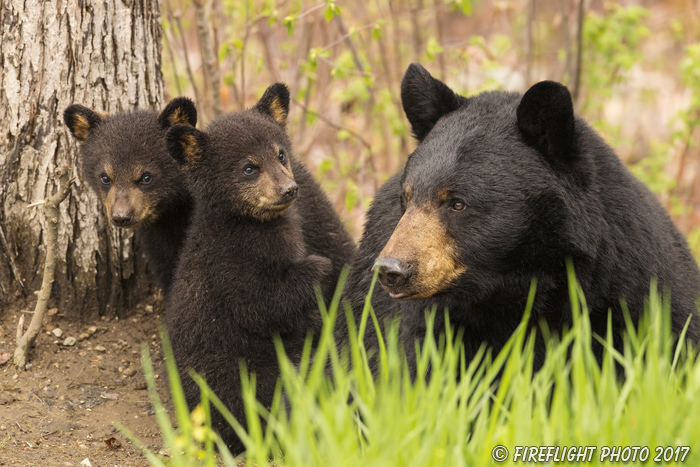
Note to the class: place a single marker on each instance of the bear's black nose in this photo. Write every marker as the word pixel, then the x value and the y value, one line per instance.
pixel 289 191
pixel 122 218
pixel 392 271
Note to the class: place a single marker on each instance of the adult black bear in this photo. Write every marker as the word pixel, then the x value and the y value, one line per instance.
pixel 125 160
pixel 263 235
pixel 505 187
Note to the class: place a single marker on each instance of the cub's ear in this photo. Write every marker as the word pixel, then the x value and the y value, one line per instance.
pixel 180 110
pixel 186 145
pixel 275 103
pixel 81 121
pixel 426 99
pixel 546 120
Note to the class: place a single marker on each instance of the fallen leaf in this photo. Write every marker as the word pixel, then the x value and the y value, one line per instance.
pixel 112 443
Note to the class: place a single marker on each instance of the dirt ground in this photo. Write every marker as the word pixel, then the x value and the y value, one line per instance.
pixel 62 409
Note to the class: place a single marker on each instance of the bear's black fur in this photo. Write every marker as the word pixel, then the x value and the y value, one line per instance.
pixel 503 188
pixel 125 160
pixel 252 255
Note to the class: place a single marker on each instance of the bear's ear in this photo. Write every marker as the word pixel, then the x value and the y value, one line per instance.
pixel 81 121
pixel 426 99
pixel 186 145
pixel 546 120
pixel 180 110
pixel 275 103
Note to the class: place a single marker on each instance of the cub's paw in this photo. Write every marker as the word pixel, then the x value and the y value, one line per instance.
pixel 320 264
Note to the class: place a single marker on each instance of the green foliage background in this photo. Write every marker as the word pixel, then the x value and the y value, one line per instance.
pixel 638 78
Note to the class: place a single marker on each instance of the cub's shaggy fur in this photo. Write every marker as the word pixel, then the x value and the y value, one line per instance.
pixel 263 235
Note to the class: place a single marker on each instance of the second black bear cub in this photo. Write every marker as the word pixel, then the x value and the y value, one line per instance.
pixel 125 160
pixel 263 235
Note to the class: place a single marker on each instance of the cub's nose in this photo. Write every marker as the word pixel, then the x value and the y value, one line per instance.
pixel 393 272
pixel 289 191
pixel 122 218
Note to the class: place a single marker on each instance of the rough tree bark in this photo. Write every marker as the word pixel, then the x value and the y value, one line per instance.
pixel 105 55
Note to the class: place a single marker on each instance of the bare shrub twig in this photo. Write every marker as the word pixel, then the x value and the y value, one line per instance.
pixel 26 340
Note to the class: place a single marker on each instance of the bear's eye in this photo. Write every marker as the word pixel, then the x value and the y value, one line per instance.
pixel 458 205
pixel 249 170
pixel 146 178
pixel 105 179
pixel 282 157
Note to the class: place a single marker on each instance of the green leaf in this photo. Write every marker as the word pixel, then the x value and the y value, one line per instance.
pixel 288 22
pixel 328 13
pixel 331 11
pixel 377 32
pixel 351 198
pixel 325 166
pixel 224 51
pixel 311 118
pixel 433 48
pixel 229 78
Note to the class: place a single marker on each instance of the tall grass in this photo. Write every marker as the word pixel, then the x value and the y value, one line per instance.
pixel 465 409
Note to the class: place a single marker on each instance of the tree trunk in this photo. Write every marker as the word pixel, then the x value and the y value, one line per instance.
pixel 105 55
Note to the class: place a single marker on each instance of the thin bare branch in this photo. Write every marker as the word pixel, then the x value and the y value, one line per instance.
pixel 439 26
pixel 347 35
pixel 334 125
pixel 367 127
pixel 337 126
pixel 211 65
pixel 175 18
pixel 248 26
pixel 26 340
pixel 415 30
pixel 566 34
pixel 529 41
pixel 311 10
pixel 171 55
pixel 576 91
pixel 37 203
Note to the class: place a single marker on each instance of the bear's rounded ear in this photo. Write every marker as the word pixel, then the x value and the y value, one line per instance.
pixel 426 99
pixel 81 121
pixel 546 119
pixel 186 145
pixel 180 110
pixel 275 103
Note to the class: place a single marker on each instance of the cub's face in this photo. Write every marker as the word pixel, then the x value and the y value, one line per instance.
pixel 478 196
pixel 130 193
pixel 242 160
pixel 125 159
pixel 264 181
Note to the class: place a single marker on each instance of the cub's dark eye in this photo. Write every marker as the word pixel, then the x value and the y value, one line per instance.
pixel 282 157
pixel 105 179
pixel 249 170
pixel 146 178
pixel 458 205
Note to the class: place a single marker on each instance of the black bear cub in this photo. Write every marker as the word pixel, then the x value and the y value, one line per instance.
pixel 125 160
pixel 263 235
pixel 503 188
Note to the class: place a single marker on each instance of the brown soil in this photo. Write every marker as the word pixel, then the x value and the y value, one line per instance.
pixel 62 409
